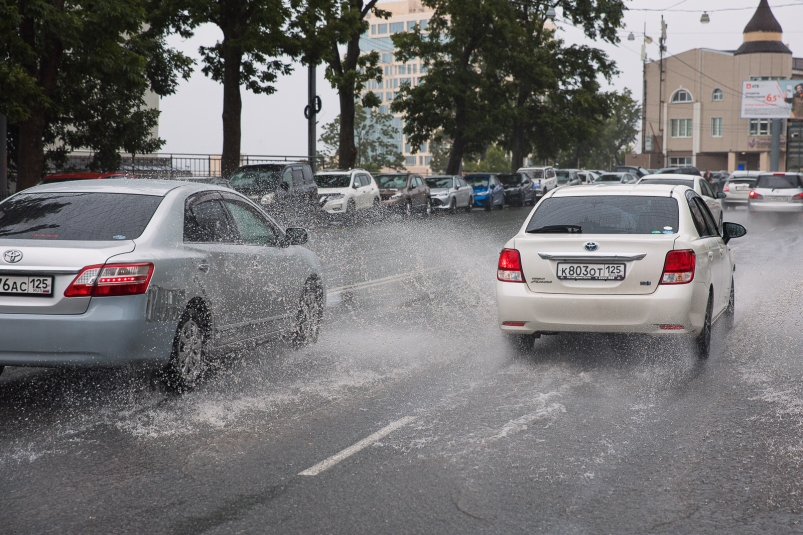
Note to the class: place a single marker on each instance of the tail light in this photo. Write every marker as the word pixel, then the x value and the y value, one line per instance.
pixel 111 279
pixel 726 189
pixel 797 198
pixel 679 267
pixel 756 196
pixel 509 269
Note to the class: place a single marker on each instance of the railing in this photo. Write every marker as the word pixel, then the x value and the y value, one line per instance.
pixel 176 165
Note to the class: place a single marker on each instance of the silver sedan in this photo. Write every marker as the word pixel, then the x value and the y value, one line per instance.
pixel 104 273
pixel 450 193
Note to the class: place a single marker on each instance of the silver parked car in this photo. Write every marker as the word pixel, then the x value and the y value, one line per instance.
pixel 450 193
pixel 104 273
pixel 737 188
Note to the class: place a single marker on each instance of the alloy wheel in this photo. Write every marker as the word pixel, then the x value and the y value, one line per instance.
pixel 188 357
pixel 308 317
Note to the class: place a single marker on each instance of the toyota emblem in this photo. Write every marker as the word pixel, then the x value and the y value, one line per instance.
pixel 591 246
pixel 12 256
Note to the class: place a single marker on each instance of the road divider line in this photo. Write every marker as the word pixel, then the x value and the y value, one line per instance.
pixel 351 450
pixel 377 282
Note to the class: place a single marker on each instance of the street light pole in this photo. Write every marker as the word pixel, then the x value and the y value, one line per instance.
pixel 312 115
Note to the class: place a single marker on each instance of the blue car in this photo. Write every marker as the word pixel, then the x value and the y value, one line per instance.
pixel 488 191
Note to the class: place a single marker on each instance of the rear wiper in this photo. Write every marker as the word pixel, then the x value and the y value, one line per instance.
pixel 569 229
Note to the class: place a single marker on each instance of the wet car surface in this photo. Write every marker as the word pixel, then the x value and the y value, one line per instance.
pixel 589 434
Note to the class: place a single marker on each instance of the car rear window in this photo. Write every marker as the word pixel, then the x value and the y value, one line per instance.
pixel 76 216
pixel 668 181
pixel 779 182
pixel 610 178
pixel 607 214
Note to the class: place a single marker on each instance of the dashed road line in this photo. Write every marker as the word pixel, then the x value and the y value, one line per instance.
pixel 351 450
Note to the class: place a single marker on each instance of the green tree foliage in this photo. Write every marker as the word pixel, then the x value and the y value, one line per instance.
pixel 372 134
pixel 494 161
pixel 74 74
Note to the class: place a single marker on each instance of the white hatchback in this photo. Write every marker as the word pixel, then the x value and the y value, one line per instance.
pixel 630 259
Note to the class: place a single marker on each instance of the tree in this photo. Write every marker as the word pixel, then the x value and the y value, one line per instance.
pixel 494 161
pixel 255 33
pixel 81 70
pixel 372 134
pixel 440 148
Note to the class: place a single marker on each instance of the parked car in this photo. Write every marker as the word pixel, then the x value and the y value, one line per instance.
pixel 285 190
pixel 617 260
pixel 211 180
pixel 568 177
pixel 616 178
pixel 632 169
pixel 587 176
pixel 544 178
pixel 450 193
pixel 488 191
pixel 345 192
pixel 776 193
pixel 113 272
pixel 405 192
pixel 698 184
pixel 82 175
pixel 519 188
pixel 683 170
pixel 737 187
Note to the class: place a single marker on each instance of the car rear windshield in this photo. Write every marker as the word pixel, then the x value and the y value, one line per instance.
pixel 610 178
pixel 391 181
pixel 76 216
pixel 264 177
pixel 606 214
pixel 509 179
pixel 563 176
pixel 341 180
pixel 669 181
pixel 779 182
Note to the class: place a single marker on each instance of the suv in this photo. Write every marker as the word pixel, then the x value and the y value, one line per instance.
pixel 568 177
pixel 404 191
pixel 544 178
pixel 284 189
pixel 346 191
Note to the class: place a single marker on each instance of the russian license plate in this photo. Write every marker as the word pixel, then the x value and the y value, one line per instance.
pixel 777 199
pixel 596 272
pixel 41 286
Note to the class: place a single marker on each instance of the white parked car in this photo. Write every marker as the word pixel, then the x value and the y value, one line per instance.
pixel 629 259
pixel 737 188
pixel 776 192
pixel 545 178
pixel 695 182
pixel 346 192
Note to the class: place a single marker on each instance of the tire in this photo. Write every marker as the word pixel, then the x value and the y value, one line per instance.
pixel 730 311
pixel 309 315
pixel 428 207
pixel 453 206
pixel 703 340
pixel 488 206
pixel 376 204
pixel 351 211
pixel 520 343
pixel 522 200
pixel 188 359
pixel 470 205
pixel 408 208
pixel 502 204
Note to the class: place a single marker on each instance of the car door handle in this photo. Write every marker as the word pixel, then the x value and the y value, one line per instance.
pixel 710 254
pixel 203 266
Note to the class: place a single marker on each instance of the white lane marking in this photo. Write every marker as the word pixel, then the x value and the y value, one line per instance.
pixel 378 282
pixel 351 450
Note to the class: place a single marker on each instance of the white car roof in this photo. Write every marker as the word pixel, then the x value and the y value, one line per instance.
pixel 643 190
pixel 135 186
pixel 674 176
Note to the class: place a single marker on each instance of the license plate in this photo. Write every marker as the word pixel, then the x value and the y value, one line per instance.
pixel 596 272
pixel 742 188
pixel 36 286
pixel 777 199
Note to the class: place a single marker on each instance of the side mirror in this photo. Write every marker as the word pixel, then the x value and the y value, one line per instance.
pixel 732 230
pixel 296 236
pixel 721 195
pixel 355 185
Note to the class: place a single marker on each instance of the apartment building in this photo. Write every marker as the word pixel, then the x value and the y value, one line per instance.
pixel 405 15
pixel 692 104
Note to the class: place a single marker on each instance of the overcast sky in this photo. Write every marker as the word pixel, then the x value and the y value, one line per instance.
pixel 275 124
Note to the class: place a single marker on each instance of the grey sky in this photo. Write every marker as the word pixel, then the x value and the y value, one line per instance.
pixel 275 124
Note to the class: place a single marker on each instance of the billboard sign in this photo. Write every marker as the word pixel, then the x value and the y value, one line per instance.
pixel 772 99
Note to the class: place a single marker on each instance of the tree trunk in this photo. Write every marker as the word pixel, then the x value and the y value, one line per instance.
pixel 31 159
pixel 456 156
pixel 520 147
pixel 232 108
pixel 347 151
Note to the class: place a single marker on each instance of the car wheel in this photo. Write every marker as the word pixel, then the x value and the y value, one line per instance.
pixel 308 317
pixel 488 206
pixel 428 207
pixel 520 343
pixel 470 204
pixel 377 205
pixel 703 341
pixel 502 204
pixel 453 206
pixel 1 369
pixel 351 211
pixel 522 199
pixel 188 357
pixel 720 221
pixel 730 311
pixel 408 208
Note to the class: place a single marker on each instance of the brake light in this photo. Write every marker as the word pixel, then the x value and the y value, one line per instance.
pixel 726 189
pixel 679 267
pixel 797 198
pixel 755 195
pixel 509 269
pixel 111 279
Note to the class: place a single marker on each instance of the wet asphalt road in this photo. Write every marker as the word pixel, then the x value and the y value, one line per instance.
pixel 589 434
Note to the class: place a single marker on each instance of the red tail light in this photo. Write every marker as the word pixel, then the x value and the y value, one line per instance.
pixel 726 189
pixel 755 195
pixel 797 198
pixel 509 269
pixel 679 267
pixel 111 279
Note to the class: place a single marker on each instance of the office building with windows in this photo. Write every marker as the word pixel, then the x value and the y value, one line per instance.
pixel 405 15
pixel 692 104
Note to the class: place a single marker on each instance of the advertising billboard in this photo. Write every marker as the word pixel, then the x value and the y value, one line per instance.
pixel 772 99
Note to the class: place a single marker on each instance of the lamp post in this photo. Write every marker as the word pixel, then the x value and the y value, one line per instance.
pixel 3 157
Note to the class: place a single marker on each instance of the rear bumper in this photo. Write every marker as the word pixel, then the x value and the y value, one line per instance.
pixel 541 312
pixel 112 332
pixel 780 207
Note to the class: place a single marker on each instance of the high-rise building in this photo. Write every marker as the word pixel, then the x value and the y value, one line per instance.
pixel 405 15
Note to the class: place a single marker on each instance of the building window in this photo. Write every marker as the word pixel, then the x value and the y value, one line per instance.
pixel 717 95
pixel 679 161
pixel 409 160
pixel 424 69
pixel 388 96
pixel 681 95
pixel 396 27
pixel 423 24
pixel 403 81
pixel 680 128
pixel 373 29
pixel 383 110
pixel 716 126
pixel 410 25
pixel 759 127
pixel 427 159
pixel 381 28
pixel 415 68
pixel 422 148
pixel 766 78
pixel 387 57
